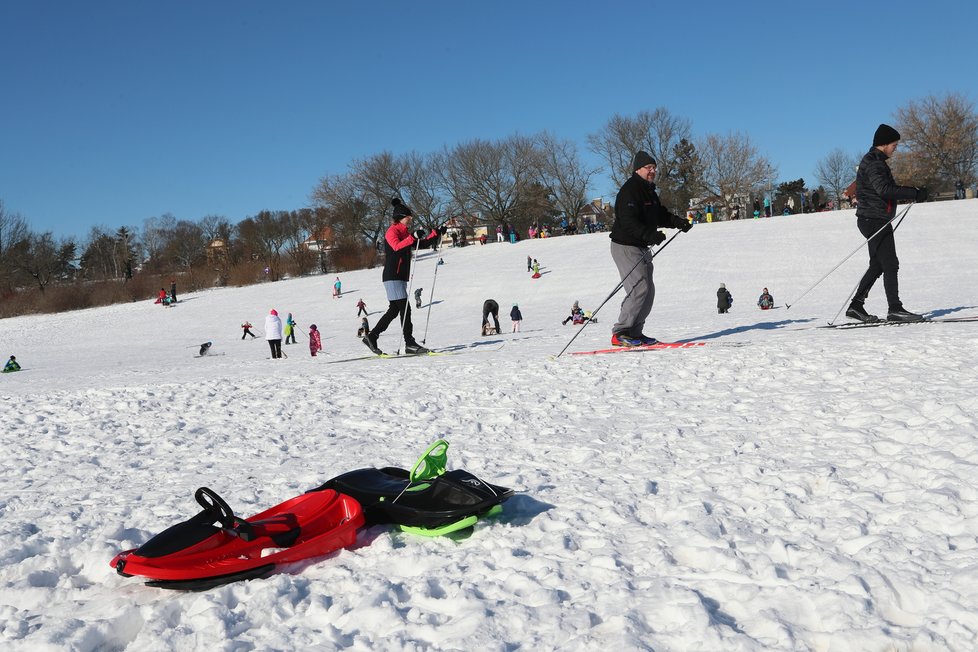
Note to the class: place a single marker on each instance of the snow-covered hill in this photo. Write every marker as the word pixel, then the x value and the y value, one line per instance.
pixel 782 487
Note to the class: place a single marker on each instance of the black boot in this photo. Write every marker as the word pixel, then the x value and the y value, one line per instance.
pixel 902 314
pixel 857 312
pixel 371 342
pixel 415 349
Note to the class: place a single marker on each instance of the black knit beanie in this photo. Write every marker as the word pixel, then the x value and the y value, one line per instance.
pixel 641 159
pixel 401 210
pixel 885 134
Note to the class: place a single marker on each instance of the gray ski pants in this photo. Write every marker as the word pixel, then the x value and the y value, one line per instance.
pixel 639 288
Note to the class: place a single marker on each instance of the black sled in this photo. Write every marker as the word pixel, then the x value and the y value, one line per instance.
pixel 427 500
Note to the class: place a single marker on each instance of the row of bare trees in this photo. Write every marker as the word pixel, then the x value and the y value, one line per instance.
pixel 518 180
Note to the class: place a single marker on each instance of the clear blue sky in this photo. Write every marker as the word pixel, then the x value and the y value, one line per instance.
pixel 115 111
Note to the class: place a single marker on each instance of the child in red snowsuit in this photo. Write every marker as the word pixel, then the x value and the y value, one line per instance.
pixel 315 344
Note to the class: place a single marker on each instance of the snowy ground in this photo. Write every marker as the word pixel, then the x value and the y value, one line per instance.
pixel 781 488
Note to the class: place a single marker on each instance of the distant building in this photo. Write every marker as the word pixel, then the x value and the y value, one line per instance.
pixel 595 215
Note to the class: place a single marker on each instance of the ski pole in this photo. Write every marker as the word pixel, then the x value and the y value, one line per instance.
pixel 620 285
pixel 431 298
pixel 829 273
pixel 856 286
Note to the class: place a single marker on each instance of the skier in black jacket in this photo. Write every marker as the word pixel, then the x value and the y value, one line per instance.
pixel 877 195
pixel 638 216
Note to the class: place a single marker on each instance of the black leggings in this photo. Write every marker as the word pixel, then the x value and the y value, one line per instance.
pixel 882 262
pixel 276 347
pixel 398 308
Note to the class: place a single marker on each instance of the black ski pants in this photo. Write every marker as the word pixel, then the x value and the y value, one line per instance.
pixel 882 262
pixel 398 308
pixel 276 347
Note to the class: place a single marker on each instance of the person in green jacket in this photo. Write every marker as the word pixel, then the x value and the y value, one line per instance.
pixel 12 365
pixel 290 327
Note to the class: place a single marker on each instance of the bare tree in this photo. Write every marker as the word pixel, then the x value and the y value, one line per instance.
pixel 836 171
pixel 424 192
pixel 265 236
pixel 188 247
pixel 156 235
pixel 733 168
pixel 564 174
pixel 378 178
pixel 345 209
pixel 42 258
pixel 487 177
pixel 940 135
pixel 13 229
pixel 656 132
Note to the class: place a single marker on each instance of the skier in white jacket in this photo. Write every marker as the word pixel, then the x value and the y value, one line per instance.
pixel 273 333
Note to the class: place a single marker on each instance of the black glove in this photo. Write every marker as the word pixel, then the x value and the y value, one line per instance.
pixel 443 229
pixel 419 234
pixel 681 223
pixel 921 195
pixel 657 238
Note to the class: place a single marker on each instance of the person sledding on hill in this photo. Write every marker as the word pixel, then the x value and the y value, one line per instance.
pixel 536 269
pixel 638 216
pixel 399 245
pixel 204 348
pixel 724 299
pixel 765 301
pixel 490 308
pixel 12 365
pixel 163 297
pixel 877 195
pixel 315 341
pixel 576 315
pixel 246 327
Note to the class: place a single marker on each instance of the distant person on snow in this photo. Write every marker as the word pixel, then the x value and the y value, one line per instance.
pixel 12 365
pixel 529 264
pixel 536 269
pixel 204 348
pixel 765 301
pixel 877 195
pixel 246 328
pixel 576 315
pixel 417 297
pixel 724 299
pixel 399 245
pixel 638 216
pixel 364 328
pixel 337 288
pixel 163 297
pixel 315 342
pixel 173 290
pixel 490 307
pixel 361 308
pixel 273 333
pixel 290 327
pixel 517 318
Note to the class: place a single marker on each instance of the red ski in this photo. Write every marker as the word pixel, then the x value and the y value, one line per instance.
pixel 648 347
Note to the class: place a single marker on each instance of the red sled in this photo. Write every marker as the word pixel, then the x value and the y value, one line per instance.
pixel 216 547
pixel 647 347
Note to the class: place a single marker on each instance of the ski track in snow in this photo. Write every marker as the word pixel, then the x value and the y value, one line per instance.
pixel 811 490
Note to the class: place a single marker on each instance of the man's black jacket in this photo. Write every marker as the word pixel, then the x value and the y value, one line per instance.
pixel 639 214
pixel 877 193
